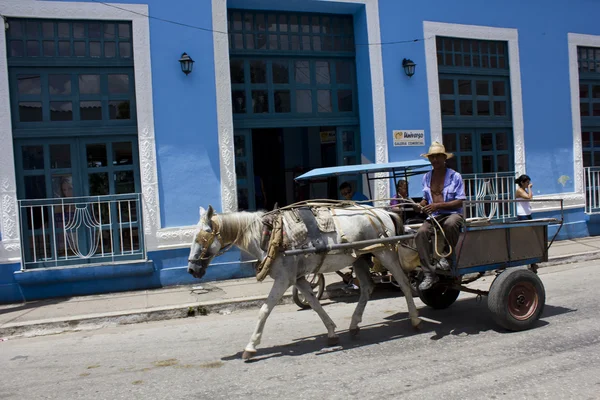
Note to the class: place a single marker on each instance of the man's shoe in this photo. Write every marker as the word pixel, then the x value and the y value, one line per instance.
pixel 443 264
pixel 428 282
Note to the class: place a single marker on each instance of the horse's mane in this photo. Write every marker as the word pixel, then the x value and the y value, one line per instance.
pixel 240 228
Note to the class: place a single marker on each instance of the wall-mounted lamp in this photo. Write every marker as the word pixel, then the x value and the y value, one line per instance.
pixel 186 63
pixel 409 67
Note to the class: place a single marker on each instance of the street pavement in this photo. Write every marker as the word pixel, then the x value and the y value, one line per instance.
pixel 91 312
pixel 458 354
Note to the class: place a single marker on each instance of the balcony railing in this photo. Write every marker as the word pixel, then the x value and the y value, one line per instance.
pixel 592 190
pixel 490 186
pixel 81 230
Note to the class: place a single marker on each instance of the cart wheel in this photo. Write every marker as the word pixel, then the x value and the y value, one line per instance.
pixel 440 296
pixel 317 283
pixel 516 299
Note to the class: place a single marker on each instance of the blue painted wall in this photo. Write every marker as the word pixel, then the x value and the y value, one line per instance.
pixel 542 29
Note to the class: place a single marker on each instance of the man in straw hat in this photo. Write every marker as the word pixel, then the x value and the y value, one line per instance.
pixel 443 195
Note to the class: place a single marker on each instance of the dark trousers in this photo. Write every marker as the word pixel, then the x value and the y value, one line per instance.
pixel 451 224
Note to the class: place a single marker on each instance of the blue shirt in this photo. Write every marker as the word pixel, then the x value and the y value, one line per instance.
pixel 454 189
pixel 361 197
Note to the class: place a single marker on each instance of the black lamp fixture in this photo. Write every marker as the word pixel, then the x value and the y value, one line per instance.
pixel 409 67
pixel 186 63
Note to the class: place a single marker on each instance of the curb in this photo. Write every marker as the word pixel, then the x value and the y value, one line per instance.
pixel 92 322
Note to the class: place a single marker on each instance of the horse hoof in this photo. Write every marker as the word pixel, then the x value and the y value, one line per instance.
pixel 354 332
pixel 333 341
pixel 248 355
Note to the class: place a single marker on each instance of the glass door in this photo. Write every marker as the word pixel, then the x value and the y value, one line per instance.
pixel 244 169
pixel 348 153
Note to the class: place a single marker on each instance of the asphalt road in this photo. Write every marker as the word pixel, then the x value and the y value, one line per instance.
pixel 462 356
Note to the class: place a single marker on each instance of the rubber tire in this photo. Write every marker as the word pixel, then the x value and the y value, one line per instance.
pixel 299 297
pixel 440 296
pixel 498 298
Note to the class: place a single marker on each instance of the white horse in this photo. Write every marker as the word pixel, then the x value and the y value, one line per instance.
pixel 243 229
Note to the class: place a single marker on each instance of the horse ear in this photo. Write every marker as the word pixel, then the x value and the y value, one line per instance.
pixel 209 214
pixel 202 212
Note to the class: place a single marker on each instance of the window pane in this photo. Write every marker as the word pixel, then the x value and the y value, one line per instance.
pixel 586 140
pixel 465 142
pixel 281 72
pixel 79 49
pixel 95 49
pixel 596 141
pixel 302 72
pixel 501 141
pixel 33 48
pixel 94 30
pixel 33 157
pixel 110 49
pixel 90 110
pixel 249 41
pixel 258 72
pixel 345 100
pixel 487 164
pixel 30 111
pixel 483 108
pixel 60 156
pixel 64 49
pixel 89 84
pixel 122 153
pixel 49 48
pixel 450 142
pixel 596 109
pixel 466 107
pixel 499 108
pixel 35 187
pixel 124 183
pixel 59 84
pixel 238 41
pixel 98 184
pixel 260 102
pixel 499 88
pixel 324 100
pixel 16 48
pixel 293 23
pixel 584 109
pixel 62 185
pixel 343 71
pixel 125 49
pixel 273 42
pixel 61 111
pixel 118 83
pixel 584 91
pixel 464 87
pixel 119 109
pixel 32 28
pixel 487 142
pixel 303 101
pixel 447 107
pixel 124 31
pixel 322 72
pixel 483 88
pixel 503 165
pixel 466 165
pixel 587 159
pixel 64 31
pixel 236 71
pixel 238 98
pixel 446 86
pixel 29 84
pixel 109 31
pixel 284 42
pixel 282 101
pixel 283 27
pixel 596 91
pixel 15 29
pixel 78 30
pixel 295 42
pixel 96 155
pixel 348 143
pixel 306 43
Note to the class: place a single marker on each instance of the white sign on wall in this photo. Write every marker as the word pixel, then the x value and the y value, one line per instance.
pixel 409 138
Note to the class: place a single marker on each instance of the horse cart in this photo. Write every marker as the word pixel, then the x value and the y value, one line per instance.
pixel 492 241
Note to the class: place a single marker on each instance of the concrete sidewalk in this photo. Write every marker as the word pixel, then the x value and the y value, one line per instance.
pixel 90 312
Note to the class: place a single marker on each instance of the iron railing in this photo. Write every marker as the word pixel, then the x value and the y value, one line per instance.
pixel 81 230
pixel 490 186
pixel 592 190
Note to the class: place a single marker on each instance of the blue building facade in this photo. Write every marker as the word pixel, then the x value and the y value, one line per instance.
pixel 108 149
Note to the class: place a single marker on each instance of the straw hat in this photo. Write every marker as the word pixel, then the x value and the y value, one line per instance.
pixel 437 148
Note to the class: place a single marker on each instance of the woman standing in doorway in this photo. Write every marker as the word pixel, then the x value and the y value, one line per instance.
pixel 523 195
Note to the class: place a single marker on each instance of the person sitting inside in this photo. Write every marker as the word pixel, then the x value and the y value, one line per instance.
pixel 349 194
pixel 443 195
pixel 405 208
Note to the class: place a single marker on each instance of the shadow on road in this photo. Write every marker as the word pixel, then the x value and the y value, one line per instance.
pixel 465 317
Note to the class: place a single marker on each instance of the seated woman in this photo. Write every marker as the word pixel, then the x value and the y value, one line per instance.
pixel 405 208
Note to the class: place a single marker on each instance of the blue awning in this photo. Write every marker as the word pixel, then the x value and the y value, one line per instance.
pixel 411 167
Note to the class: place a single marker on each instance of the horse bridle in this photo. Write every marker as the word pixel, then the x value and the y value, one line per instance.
pixel 207 242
